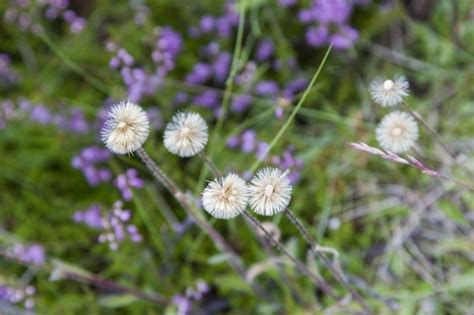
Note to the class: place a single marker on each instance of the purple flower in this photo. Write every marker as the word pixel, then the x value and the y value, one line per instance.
pixel 221 66
pixel 200 73
pixel 249 140
pixel 328 23
pixel 316 36
pixel 267 88
pixel 265 49
pixel 91 217
pixel 294 87
pixel 33 254
pixel 208 99
pixel 233 142
pixel 40 114
pixel 87 161
pixel 124 182
pixel 113 224
pixel 7 74
pixel 207 24
pixel 16 295
pixel 241 102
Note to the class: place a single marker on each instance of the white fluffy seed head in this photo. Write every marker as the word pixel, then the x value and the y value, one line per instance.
pixel 126 128
pixel 186 134
pixel 388 93
pixel 270 191
pixel 397 132
pixel 226 197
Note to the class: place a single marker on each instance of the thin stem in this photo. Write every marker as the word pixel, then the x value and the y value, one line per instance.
pixel 218 240
pixel 94 280
pixel 212 167
pixel 338 274
pixel 428 127
pixel 302 267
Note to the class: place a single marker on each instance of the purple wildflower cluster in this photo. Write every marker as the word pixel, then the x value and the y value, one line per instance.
pixel 328 22
pixel 114 224
pixel 23 12
pixel 124 182
pixel 31 254
pixel 281 97
pixel 220 26
pixel 184 302
pixel 15 295
pixel 69 119
pixel 248 142
pixel 87 161
pixel 7 74
pixel 140 82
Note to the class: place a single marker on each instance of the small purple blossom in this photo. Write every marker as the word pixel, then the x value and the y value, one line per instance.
pixel 241 102
pixel 16 295
pixel 114 224
pixel 184 302
pixel 91 217
pixel 7 74
pixel 265 49
pixel 327 22
pixel 124 182
pixel 87 161
pixel 32 254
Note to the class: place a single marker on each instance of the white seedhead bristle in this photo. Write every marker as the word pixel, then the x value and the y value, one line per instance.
pixel 397 132
pixel 226 197
pixel 270 191
pixel 388 93
pixel 126 128
pixel 186 134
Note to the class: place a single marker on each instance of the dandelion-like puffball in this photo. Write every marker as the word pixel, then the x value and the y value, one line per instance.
pixel 226 197
pixel 270 191
pixel 388 93
pixel 397 132
pixel 126 128
pixel 186 134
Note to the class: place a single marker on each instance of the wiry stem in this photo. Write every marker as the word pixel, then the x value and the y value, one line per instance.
pixel 428 127
pixel 212 167
pixel 440 141
pixel 303 268
pixel 218 240
pixel 338 274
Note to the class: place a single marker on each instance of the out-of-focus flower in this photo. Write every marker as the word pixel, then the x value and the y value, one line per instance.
pixel 114 224
pixel 91 217
pixel 397 132
pixel 15 295
pixel 328 23
pixel 87 161
pixel 33 254
pixel 128 180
